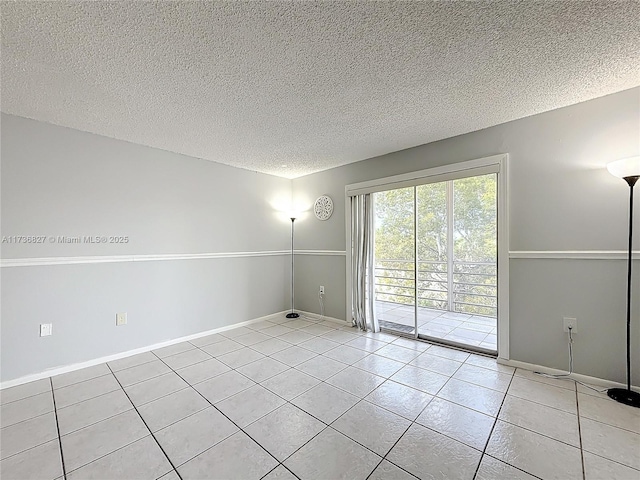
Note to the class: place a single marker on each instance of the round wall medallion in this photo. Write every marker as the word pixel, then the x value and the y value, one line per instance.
pixel 323 208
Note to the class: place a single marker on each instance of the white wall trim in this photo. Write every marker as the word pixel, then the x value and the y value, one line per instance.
pixel 503 204
pixel 47 261
pixel 519 254
pixel 595 381
pixel 469 168
pixel 321 252
pixel 30 262
pixel 575 254
pixel 109 358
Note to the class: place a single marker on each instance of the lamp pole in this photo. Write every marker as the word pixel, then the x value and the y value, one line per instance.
pixel 292 314
pixel 622 168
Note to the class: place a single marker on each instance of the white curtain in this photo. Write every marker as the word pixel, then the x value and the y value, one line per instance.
pixel 362 263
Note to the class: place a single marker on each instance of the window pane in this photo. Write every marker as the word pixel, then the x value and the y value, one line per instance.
pixel 432 245
pixel 475 245
pixel 394 257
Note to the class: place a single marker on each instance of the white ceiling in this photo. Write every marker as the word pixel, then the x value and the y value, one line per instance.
pixel 291 88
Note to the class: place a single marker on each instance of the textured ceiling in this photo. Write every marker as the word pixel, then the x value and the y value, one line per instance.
pixel 290 88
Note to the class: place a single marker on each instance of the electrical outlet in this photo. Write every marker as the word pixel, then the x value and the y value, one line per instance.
pixel 121 319
pixel 321 289
pixel 570 322
pixel 46 329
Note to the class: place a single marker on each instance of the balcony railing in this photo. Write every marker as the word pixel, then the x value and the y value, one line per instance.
pixel 471 288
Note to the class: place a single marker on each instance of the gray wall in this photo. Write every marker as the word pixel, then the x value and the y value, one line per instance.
pixel 59 181
pixel 561 198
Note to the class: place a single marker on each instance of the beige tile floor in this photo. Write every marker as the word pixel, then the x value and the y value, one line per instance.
pixel 472 330
pixel 293 399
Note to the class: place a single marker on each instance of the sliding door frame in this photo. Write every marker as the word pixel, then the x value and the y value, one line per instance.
pixel 497 164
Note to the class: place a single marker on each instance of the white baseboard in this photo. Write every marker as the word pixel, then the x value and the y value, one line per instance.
pixel 315 317
pixel 599 382
pixel 109 358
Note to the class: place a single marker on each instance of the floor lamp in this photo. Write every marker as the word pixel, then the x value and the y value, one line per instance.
pixel 292 314
pixel 629 170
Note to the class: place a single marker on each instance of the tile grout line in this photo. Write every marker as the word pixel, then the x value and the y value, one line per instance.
pixel 96 422
pixel 614 426
pixel 289 470
pixel 55 410
pixel 130 366
pixel 79 381
pixel 326 425
pixel 415 422
pixel 386 378
pixel 274 468
pixel 484 450
pixel 412 422
pixel 351 365
pixel 513 466
pixel 316 354
pixel 23 398
pixel 30 448
pixel 145 424
pixel 538 433
pixel 538 403
pixel 305 443
pixel 106 454
pixel 26 420
pixel 82 428
pixel 346 365
pixel 384 457
pixel 362 399
pixel 324 381
pixel 87 399
pixel 613 461
pixel 579 431
pixel 222 413
pixel 131 385
pixel 513 375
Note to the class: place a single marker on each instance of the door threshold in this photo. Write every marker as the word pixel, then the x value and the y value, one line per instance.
pixel 445 343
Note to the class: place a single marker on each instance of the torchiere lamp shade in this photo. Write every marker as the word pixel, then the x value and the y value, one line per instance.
pixel 627 167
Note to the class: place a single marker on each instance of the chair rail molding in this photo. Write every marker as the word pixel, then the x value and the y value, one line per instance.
pixel 41 261
pixel 515 254
pixel 574 254
pixel 321 252
pixel 91 259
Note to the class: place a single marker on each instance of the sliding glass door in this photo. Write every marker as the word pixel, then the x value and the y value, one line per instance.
pixel 436 261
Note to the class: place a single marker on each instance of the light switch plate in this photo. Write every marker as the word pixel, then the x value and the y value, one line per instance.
pixel 46 329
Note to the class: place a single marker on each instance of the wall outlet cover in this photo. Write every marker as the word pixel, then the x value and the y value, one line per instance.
pixel 570 322
pixel 121 319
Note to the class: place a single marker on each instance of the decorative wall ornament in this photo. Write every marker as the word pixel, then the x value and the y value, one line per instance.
pixel 323 208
